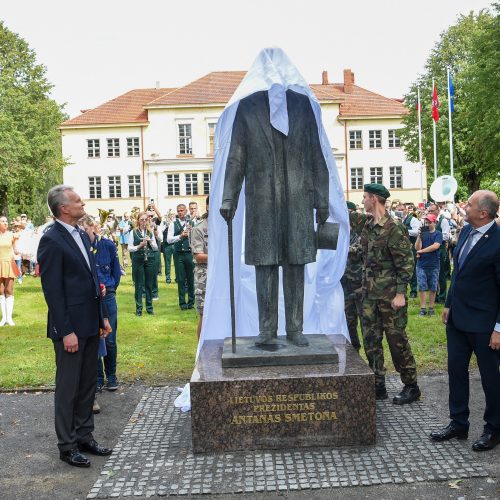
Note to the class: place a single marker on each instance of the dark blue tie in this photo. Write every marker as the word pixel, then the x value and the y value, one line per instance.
pixel 467 247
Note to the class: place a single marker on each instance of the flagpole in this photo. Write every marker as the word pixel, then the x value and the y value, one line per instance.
pixel 420 147
pixel 434 139
pixel 450 128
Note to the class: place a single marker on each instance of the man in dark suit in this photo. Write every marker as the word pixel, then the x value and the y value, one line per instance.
pixel 72 293
pixel 472 317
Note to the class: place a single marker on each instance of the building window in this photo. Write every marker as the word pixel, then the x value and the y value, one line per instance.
pixel 115 186
pixel 173 185
pixel 376 175
pixel 211 138
pixel 185 147
pixel 356 178
pixel 95 187
pixel 375 137
pixel 93 148
pixel 355 141
pixel 132 146
pixel 191 184
pixel 394 141
pixel 134 185
pixel 113 148
pixel 395 177
pixel 207 180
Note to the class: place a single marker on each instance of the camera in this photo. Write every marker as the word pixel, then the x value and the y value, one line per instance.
pixel 424 229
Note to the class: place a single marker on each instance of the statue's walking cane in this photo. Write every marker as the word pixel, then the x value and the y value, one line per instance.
pixel 231 283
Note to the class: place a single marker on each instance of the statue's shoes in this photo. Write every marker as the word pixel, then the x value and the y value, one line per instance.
pixel 297 338
pixel 264 338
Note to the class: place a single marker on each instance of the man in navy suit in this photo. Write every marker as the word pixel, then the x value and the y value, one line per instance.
pixel 472 317
pixel 71 290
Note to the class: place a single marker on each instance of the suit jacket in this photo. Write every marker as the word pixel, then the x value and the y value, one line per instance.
pixel 70 287
pixel 474 294
pixel 286 177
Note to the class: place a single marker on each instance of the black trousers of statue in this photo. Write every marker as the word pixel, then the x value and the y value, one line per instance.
pixel 267 282
pixel 76 377
pixel 461 345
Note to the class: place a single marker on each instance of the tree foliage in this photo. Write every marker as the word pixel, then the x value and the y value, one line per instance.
pixel 471 49
pixel 30 150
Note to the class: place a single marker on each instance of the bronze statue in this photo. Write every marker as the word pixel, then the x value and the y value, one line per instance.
pixel 286 178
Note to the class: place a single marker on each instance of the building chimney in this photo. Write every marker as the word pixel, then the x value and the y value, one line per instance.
pixel 348 81
pixel 157 84
pixel 324 78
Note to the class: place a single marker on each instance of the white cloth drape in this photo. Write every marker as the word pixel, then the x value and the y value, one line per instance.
pixel 324 300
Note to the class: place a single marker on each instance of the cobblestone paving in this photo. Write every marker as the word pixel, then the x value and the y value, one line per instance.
pixel 154 457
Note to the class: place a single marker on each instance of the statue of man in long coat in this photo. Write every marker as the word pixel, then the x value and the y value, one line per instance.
pixel 286 178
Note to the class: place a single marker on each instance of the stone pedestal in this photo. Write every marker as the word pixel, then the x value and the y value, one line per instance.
pixel 281 406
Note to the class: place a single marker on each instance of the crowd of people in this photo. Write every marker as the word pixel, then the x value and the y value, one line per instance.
pixel 394 249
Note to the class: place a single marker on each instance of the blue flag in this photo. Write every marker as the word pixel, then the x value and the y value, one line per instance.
pixel 452 94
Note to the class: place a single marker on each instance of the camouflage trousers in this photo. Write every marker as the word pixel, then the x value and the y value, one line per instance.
pixel 200 286
pixel 379 317
pixel 353 307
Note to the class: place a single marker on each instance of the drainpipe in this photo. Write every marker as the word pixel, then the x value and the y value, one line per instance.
pixel 346 163
pixel 143 170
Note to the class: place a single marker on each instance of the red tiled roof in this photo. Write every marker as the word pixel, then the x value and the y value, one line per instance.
pixel 217 88
pixel 127 108
pixel 362 102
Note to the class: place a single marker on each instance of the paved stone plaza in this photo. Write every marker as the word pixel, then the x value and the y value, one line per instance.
pixel 154 457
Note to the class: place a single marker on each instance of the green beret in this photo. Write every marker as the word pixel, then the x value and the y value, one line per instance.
pixel 351 205
pixel 377 189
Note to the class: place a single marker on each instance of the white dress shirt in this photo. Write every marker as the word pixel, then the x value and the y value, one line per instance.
pixel 134 248
pixel 75 233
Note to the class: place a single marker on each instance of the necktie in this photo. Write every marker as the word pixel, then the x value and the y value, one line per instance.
pixel 467 248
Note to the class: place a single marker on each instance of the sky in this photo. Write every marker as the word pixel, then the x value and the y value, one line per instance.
pixel 95 50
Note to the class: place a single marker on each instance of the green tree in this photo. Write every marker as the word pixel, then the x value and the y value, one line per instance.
pixel 471 49
pixel 30 147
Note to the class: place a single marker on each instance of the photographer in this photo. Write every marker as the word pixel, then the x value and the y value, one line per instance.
pixel 142 245
pixel 428 245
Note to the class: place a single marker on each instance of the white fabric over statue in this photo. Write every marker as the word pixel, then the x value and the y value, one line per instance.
pixel 323 296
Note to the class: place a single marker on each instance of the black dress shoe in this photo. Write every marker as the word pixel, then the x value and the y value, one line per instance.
pixel 409 394
pixel 138 313
pixel 486 442
pixel 95 448
pixel 449 432
pixel 75 458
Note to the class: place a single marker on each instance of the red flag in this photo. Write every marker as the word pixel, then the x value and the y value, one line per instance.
pixel 435 104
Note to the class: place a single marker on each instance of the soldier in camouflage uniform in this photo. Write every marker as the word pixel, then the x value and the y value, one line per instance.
pixel 388 266
pixel 199 247
pixel 353 275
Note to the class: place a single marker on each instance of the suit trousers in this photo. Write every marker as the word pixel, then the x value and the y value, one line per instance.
pixel 143 274
pixel 266 282
pixel 76 377
pixel 184 271
pixel 461 345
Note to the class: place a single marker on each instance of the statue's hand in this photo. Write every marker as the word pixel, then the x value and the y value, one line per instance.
pixel 227 210
pixel 322 215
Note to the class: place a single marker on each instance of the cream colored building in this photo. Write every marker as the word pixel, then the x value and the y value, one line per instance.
pixel 158 143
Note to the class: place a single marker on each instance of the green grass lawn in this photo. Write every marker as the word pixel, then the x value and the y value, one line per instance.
pixel 153 349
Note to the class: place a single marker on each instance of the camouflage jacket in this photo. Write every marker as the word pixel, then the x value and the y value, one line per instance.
pixel 387 258
pixel 353 275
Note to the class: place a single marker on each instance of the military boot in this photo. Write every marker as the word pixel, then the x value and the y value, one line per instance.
pixel 297 338
pixel 381 392
pixel 265 338
pixel 409 394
